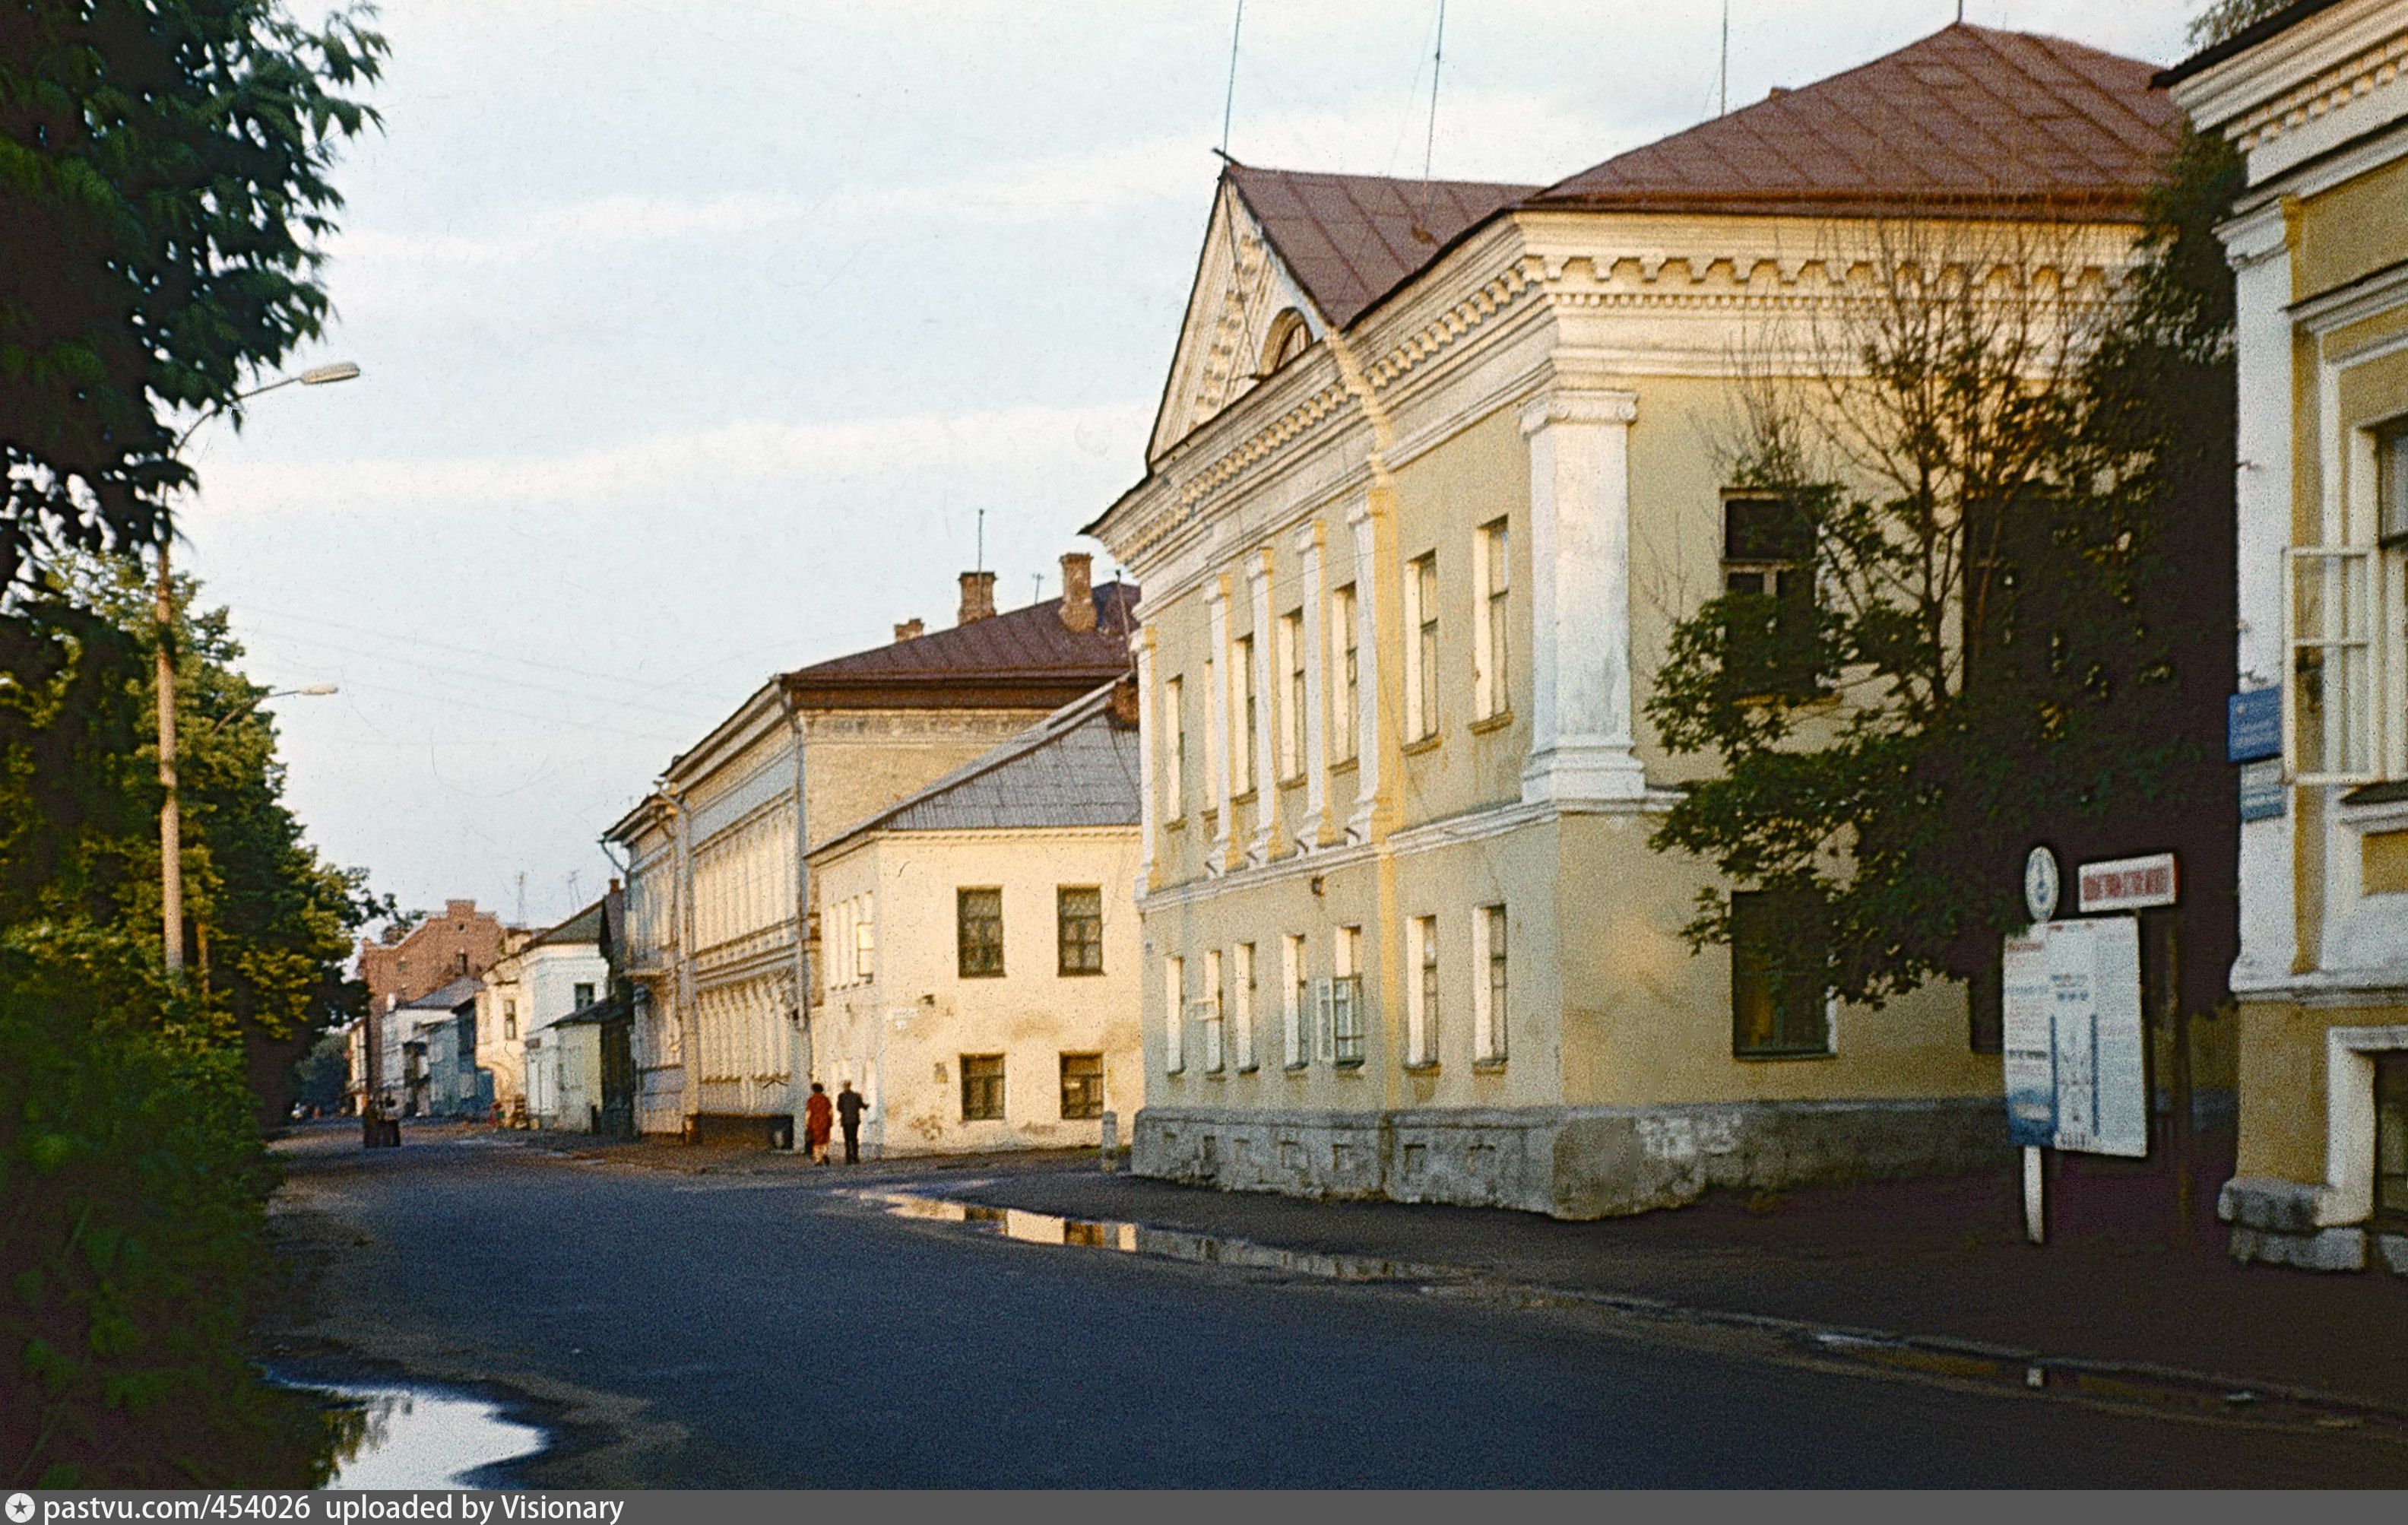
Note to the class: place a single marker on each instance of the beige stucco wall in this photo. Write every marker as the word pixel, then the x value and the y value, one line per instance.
pixel 899 1038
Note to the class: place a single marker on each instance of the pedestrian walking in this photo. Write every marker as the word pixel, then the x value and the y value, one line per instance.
pixel 816 1115
pixel 848 1106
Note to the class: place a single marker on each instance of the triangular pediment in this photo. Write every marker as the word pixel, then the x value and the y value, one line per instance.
pixel 1242 290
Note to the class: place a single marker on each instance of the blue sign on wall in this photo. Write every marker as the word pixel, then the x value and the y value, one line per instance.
pixel 2253 724
pixel 2262 795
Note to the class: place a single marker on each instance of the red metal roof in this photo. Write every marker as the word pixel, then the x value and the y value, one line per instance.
pixel 1350 239
pixel 1967 120
pixel 1020 657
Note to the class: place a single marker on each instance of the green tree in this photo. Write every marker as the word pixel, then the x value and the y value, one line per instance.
pixel 169 160
pixel 2014 505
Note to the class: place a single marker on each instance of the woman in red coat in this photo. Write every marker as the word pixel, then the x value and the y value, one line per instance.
pixel 818 1113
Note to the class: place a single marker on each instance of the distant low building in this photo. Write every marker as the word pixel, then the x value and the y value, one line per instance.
pixel 436 1040
pixel 462 942
pixel 558 973
pixel 982 949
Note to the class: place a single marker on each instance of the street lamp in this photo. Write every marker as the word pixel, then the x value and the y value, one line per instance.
pixel 171 820
pixel 313 691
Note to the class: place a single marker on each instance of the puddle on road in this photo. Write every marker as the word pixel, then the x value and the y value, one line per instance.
pixel 411 1436
pixel 1028 1228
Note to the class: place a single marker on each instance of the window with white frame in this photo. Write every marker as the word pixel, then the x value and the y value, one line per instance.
pixel 1207 1010
pixel 1343 1021
pixel 1421 992
pixel 1174 751
pixel 865 941
pixel 1492 647
pixel 1241 992
pixel 2333 664
pixel 1346 712
pixel 1294 997
pixel 1489 1006
pixel 1248 705
pixel 1175 1014
pixel 1292 656
pixel 1421 647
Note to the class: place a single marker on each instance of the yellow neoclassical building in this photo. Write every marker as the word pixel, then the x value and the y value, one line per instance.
pixel 1436 469
pixel 2316 98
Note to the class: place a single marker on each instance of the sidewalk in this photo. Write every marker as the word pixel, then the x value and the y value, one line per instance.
pixel 1934 1260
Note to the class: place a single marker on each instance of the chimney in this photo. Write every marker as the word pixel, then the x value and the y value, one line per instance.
pixel 977 598
pixel 909 631
pixel 1077 596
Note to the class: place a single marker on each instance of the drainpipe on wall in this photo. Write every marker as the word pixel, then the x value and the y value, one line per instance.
pixel 799 1058
pixel 689 1030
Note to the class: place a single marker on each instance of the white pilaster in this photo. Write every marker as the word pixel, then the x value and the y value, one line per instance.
pixel 1316 735
pixel 1366 670
pixel 1580 737
pixel 1217 752
pixel 1258 578
pixel 1148 738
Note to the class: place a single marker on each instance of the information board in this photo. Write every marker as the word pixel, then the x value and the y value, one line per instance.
pixel 2076 1070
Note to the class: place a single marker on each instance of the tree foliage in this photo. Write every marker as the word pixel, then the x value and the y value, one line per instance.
pixel 169 160
pixel 2018 496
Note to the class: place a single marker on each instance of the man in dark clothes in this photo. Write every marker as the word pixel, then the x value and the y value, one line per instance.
pixel 848 1111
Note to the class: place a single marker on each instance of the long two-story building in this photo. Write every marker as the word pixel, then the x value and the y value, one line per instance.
pixel 1437 467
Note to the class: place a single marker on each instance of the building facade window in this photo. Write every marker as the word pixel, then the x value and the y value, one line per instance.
pixel 509 1019
pixel 1420 996
pixel 1079 910
pixel 1778 949
pixel 2333 664
pixel 1174 751
pixel 1492 660
pixel 982 1088
pixel 865 941
pixel 1295 997
pixel 1421 651
pixel 1768 576
pixel 1208 1015
pixel 1346 719
pixel 1248 709
pixel 1082 1086
pixel 580 995
pixel 1490 986
pixel 978 935
pixel 1345 1022
pixel 1241 993
pixel 1175 1014
pixel 1291 713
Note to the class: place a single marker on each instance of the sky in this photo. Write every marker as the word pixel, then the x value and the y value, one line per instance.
pixel 695 337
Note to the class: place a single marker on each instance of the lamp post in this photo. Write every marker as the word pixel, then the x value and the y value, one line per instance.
pixel 171 820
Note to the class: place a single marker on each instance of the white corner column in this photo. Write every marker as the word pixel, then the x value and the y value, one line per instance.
pixel 1314 656
pixel 1366 672
pixel 1266 740
pixel 1581 735
pixel 1217 763
pixel 1149 809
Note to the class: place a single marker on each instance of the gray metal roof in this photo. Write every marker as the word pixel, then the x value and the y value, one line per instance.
pixel 458 993
pixel 1076 767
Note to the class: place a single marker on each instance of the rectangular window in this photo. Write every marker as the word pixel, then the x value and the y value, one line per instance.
pixel 509 1019
pixel 978 915
pixel 865 942
pixel 1292 656
pixel 1207 1007
pixel 1778 949
pixel 1080 911
pixel 1768 576
pixel 580 995
pixel 1248 700
pixel 1293 1001
pixel 2391 486
pixel 1347 717
pixel 1174 751
pixel 1421 655
pixel 1174 1016
pixel 1082 1086
pixel 2332 656
pixel 1421 1002
pixel 1242 989
pixel 1488 988
pixel 1492 691
pixel 982 1088
pixel 1346 1020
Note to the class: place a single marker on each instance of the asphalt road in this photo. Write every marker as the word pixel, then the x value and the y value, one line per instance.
pixel 742 1330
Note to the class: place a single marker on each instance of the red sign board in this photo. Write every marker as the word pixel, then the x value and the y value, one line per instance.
pixel 2127 883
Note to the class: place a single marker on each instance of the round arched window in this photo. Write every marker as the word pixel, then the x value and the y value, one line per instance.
pixel 1288 339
